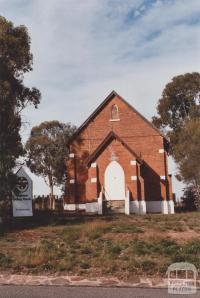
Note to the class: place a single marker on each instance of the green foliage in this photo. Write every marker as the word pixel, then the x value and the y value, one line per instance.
pixel 158 247
pixel 127 229
pixel 139 247
pixel 114 249
pixel 187 151
pixel 52 248
pixel 178 102
pixel 189 252
pixel 85 265
pixel 189 198
pixel 187 155
pixel 148 266
pixel 15 60
pixel 47 151
pixel 5 261
pixel 179 116
pixel 193 247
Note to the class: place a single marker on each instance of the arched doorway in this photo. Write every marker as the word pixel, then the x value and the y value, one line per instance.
pixel 114 182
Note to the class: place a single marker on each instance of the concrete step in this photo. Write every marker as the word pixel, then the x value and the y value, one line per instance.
pixel 114 206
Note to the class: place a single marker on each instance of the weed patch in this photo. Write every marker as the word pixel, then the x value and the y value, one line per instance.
pixel 121 246
pixel 5 261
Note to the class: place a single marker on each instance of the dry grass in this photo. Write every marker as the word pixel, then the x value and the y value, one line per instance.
pixel 122 246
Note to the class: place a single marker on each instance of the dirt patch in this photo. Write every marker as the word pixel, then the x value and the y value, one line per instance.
pixel 147 234
pixel 183 236
pixel 151 233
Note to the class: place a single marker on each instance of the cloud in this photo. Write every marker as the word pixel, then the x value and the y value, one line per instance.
pixel 84 49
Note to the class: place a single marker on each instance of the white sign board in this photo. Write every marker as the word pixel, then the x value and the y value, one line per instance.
pixel 22 195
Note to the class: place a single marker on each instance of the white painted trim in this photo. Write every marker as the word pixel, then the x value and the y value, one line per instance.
pixel 114 120
pixel 71 155
pixel 162 177
pixel 161 150
pixel 92 207
pixel 134 206
pixel 133 178
pixel 93 180
pixel 170 207
pixel 81 206
pixel 88 207
pixel 137 207
pixel 133 162
pixel 100 203
pixel 142 207
pixel 71 181
pixel 127 203
pixel 164 207
pixel 93 165
pixel 70 207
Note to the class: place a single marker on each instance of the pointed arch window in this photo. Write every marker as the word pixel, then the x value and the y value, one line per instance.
pixel 114 113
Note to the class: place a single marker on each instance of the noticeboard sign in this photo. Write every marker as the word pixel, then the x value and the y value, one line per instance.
pixel 22 195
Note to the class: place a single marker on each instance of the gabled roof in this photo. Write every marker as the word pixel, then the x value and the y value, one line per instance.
pixel 101 106
pixel 111 136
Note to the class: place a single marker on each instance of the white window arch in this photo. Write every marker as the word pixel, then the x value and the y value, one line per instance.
pixel 114 112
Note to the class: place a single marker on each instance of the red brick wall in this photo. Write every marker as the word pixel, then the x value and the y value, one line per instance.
pixel 140 137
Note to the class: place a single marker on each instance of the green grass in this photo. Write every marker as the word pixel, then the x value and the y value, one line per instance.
pixel 127 228
pixel 121 246
pixel 5 261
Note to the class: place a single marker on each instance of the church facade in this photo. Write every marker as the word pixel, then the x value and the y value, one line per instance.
pixel 118 163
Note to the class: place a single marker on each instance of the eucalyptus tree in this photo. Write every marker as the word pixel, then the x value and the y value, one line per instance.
pixel 179 117
pixel 16 60
pixel 47 151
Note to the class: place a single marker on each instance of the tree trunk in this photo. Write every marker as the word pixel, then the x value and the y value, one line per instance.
pixel 51 192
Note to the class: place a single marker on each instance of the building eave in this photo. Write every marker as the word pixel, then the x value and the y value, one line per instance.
pixel 108 138
pixel 101 106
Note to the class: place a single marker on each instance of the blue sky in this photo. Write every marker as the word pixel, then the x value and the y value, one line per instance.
pixel 83 49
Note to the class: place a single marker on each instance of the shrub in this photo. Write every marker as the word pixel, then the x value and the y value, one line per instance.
pixel 85 265
pixel 148 266
pixel 140 247
pixel 5 261
pixel 189 199
pixel 164 246
pixel 193 247
pixel 114 249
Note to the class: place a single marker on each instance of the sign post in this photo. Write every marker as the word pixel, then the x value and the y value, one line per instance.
pixel 22 195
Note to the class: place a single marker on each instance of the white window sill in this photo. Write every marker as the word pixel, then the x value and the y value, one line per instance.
pixel 113 120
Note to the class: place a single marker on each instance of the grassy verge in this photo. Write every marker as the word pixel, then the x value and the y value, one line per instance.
pixel 121 246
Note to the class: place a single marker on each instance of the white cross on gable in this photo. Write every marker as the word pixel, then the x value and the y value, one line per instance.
pixel 113 157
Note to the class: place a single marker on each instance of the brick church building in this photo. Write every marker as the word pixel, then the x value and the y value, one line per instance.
pixel 118 163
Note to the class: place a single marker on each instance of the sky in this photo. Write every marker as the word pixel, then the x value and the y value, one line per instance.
pixel 84 49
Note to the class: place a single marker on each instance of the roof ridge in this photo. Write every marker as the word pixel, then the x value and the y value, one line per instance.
pixel 108 137
pixel 109 97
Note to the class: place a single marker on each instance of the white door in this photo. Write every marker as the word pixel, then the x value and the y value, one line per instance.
pixel 114 180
